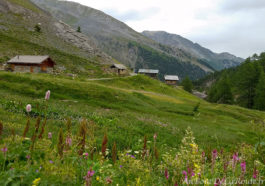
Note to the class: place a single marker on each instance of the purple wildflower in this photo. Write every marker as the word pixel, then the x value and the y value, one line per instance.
pixel 51 161
pixel 28 156
pixel 132 156
pixel 121 166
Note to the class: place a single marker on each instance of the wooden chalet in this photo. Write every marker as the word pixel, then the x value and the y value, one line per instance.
pixel 171 79
pixel 149 72
pixel 33 64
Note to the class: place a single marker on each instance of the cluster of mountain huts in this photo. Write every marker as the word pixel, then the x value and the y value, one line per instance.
pixel 45 64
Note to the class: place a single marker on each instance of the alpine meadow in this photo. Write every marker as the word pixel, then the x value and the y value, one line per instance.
pixel 87 100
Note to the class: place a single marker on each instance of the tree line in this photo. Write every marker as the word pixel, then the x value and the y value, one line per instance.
pixel 243 85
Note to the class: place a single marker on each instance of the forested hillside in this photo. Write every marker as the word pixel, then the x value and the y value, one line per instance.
pixel 243 85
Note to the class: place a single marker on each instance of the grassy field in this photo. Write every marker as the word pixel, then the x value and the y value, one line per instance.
pixel 137 105
pixel 126 109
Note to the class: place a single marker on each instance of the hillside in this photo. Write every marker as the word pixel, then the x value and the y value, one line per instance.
pixel 116 38
pixel 126 109
pixel 216 61
pixel 72 51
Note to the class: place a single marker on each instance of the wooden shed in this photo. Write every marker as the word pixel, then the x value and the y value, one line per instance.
pixel 149 72
pixel 33 64
pixel 119 69
pixel 171 79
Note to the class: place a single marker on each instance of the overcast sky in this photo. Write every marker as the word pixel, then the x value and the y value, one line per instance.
pixel 235 26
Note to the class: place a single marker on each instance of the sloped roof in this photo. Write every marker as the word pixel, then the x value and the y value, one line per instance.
pixel 28 59
pixel 171 78
pixel 148 71
pixel 119 66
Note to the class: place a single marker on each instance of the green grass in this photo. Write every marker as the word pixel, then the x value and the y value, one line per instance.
pixel 128 108
pixel 26 4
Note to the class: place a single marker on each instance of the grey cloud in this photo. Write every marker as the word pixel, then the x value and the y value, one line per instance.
pixel 242 5
pixel 133 15
pixel 242 39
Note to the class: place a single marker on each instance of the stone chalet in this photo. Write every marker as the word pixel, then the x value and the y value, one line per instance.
pixel 119 69
pixel 33 64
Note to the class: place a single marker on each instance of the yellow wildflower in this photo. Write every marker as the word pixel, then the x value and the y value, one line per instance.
pixel 206 182
pixel 97 178
pixel 36 182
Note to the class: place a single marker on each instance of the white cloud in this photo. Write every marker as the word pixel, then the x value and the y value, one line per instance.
pixel 221 25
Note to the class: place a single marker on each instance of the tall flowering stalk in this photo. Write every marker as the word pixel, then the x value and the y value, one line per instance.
pixel 35 133
pixel 1 128
pixel 26 129
pixel 214 156
pixel 235 160
pixel 82 137
pixel 60 145
pixel 104 145
pixel 114 153
pixel 88 177
pixel 144 147
pixel 42 128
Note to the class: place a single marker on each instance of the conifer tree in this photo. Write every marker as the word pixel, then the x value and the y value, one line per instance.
pixel 259 100
pixel 79 29
pixel 187 84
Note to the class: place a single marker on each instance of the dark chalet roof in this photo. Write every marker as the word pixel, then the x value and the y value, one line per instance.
pixel 34 60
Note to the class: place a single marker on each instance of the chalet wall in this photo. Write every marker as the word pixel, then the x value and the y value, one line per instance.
pixel 171 82
pixel 33 69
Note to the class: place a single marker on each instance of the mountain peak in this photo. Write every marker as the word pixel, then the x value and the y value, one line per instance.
pixel 217 61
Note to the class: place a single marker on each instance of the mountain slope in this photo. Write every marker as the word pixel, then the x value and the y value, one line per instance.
pixel 73 52
pixel 217 61
pixel 115 38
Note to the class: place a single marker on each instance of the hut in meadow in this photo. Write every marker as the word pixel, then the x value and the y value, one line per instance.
pixel 33 64
pixel 149 72
pixel 119 69
pixel 171 79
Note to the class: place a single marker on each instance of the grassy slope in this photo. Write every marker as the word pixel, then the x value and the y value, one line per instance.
pixel 17 37
pixel 128 108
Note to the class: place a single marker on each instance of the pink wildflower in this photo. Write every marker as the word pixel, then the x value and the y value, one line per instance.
pixel 166 174
pixel 108 180
pixel 235 159
pixel 4 149
pixel 217 182
pixel 214 154
pixel 50 135
pixel 186 176
pixel 89 175
pixel 68 141
pixel 243 167
pixel 28 108
pixel 28 156
pixel 155 136
pixel 255 173
pixel 86 155
pixel 47 95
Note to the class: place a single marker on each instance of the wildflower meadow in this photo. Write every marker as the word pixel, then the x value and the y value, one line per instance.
pixel 80 151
